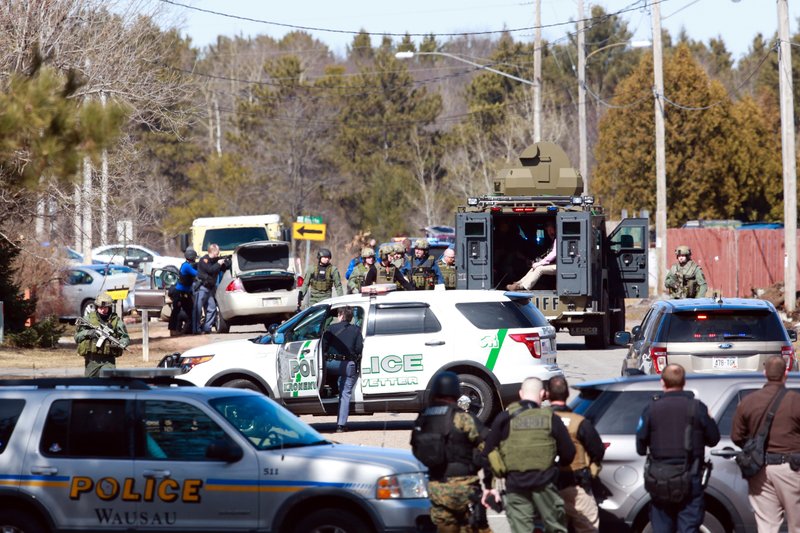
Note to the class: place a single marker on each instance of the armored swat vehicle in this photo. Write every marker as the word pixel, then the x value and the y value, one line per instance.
pixel 499 236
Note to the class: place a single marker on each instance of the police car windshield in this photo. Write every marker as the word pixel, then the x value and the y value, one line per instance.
pixel 265 424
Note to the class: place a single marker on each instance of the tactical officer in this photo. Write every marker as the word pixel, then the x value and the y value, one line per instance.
pixel 342 344
pixel 685 278
pixel 774 492
pixel 529 438
pixel 575 480
pixel 361 270
pixel 399 259
pixel 422 266
pixel 447 266
pixel 668 423
pixel 387 272
pixel 181 294
pixel 320 279
pixel 205 301
pixel 101 336
pixel 446 438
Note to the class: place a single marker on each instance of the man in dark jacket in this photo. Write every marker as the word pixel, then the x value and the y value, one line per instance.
pixel 663 429
pixel 208 270
pixel 775 491
pixel 529 438
pixel 180 320
pixel 342 344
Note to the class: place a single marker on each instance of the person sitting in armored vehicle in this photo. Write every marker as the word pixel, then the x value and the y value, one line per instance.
pixel 545 266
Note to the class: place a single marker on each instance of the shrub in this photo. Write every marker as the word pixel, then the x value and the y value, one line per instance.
pixel 43 334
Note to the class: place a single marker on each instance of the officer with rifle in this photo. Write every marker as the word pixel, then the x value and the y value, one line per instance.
pixel 685 278
pixel 320 279
pixel 101 336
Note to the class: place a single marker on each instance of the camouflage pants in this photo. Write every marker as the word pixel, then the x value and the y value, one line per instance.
pixel 94 363
pixel 315 297
pixel 450 505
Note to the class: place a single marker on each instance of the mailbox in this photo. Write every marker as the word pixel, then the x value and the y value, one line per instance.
pixel 149 299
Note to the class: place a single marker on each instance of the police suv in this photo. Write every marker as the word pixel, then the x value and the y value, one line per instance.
pixel 492 339
pixel 116 454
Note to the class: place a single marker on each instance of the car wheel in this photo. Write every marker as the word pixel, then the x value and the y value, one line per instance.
pixel 482 402
pixel 331 521
pixel 16 521
pixel 242 384
pixel 87 307
pixel 710 525
pixel 222 326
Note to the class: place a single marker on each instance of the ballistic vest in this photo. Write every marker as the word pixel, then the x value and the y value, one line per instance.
pixel 422 275
pixel 358 276
pixel 186 279
pixel 386 274
pixel 449 274
pixel 573 421
pixel 322 280
pixel 88 347
pixel 438 420
pixel 530 444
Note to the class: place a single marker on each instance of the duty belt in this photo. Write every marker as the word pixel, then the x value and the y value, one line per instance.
pixel 337 357
pixel 780 458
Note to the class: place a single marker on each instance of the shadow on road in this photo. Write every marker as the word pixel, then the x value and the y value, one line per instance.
pixel 354 425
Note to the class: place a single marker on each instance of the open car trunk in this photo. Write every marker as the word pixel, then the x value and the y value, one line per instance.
pixel 263 266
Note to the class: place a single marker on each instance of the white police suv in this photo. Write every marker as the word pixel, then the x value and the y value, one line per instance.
pixel 492 339
pixel 116 454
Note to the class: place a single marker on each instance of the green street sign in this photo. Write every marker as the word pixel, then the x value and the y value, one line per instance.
pixel 309 220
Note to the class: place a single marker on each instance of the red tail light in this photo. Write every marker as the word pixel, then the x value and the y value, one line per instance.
pixel 659 357
pixel 787 352
pixel 299 281
pixel 235 286
pixel 531 341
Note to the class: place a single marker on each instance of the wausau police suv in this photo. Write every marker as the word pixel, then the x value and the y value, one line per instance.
pixel 492 339
pixel 115 454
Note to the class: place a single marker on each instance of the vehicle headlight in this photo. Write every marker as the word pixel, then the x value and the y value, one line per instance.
pixel 188 363
pixel 403 486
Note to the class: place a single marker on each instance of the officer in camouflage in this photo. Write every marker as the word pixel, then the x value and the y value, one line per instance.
pixel 360 271
pixel 98 349
pixel 447 266
pixel 387 271
pixel 422 267
pixel 448 440
pixel 685 278
pixel 320 279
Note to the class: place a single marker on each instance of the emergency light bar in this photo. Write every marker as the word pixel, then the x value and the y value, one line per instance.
pixel 378 289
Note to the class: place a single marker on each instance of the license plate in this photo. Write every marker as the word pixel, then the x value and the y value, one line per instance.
pixel 584 331
pixel 724 363
pixel 269 302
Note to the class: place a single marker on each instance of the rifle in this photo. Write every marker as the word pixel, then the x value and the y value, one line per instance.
pixel 104 333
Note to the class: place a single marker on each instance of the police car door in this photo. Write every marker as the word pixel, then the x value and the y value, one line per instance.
pixel 177 486
pixel 299 358
pixel 628 247
pixel 473 251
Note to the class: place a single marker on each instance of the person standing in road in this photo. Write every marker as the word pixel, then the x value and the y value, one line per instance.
pixel 529 437
pixel 546 266
pixel 575 480
pixel 321 279
pixel 100 352
pixel 447 266
pixel 422 267
pixel 205 301
pixel 362 270
pixel 180 320
pixel 774 492
pixel 342 344
pixel 445 438
pixel 675 428
pixel 685 278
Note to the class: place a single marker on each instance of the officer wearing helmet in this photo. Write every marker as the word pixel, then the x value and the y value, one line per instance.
pixel 422 267
pixel 685 278
pixel 94 344
pixel 182 296
pixel 320 279
pixel 387 271
pixel 448 440
pixel 361 270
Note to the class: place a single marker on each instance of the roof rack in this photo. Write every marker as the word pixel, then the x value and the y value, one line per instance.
pixel 123 378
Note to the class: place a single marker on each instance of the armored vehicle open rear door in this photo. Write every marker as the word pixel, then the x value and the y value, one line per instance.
pixel 573 256
pixel 628 247
pixel 473 254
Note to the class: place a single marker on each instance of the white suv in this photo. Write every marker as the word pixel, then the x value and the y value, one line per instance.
pixel 492 339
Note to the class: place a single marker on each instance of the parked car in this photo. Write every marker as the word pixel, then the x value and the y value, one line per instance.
pixel 260 287
pixel 135 256
pixel 80 285
pixel 137 279
pixel 492 339
pixel 614 407
pixel 707 335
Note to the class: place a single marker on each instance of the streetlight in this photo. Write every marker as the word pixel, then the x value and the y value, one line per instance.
pixel 409 54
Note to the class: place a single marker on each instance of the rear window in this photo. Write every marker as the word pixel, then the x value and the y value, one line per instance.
pixel 614 412
pixel 263 257
pixel 724 324
pixel 390 320
pixel 503 315
pixel 230 238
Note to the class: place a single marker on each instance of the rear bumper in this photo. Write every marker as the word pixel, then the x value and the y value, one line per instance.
pixel 250 306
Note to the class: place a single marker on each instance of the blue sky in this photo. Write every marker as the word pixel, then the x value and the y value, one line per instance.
pixel 736 22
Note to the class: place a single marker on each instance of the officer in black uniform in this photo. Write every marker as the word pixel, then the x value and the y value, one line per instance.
pixel 664 428
pixel 342 344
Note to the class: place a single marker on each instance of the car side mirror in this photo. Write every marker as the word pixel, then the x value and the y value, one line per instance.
pixel 224 450
pixel 278 338
pixel 272 329
pixel 622 338
pixel 636 331
pixel 792 335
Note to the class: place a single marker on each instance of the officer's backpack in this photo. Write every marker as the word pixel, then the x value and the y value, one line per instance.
pixel 430 435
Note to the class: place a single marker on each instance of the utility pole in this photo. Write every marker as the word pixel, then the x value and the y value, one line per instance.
pixel 582 141
pixel 537 75
pixel 661 159
pixel 788 154
pixel 104 187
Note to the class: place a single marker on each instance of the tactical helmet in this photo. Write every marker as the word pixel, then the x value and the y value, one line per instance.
pixel 324 252
pixel 190 254
pixel 421 244
pixel 385 250
pixel 446 385
pixel 683 250
pixel 367 252
pixel 103 300
pixel 398 248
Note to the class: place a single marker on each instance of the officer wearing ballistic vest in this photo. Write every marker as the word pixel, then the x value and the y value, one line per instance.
pixel 100 349
pixel 360 271
pixel 422 267
pixel 447 266
pixel 664 428
pixel 575 480
pixel 529 437
pixel 685 278
pixel 448 440
pixel 387 272
pixel 320 279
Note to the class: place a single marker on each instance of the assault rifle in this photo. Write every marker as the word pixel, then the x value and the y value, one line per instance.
pixel 102 332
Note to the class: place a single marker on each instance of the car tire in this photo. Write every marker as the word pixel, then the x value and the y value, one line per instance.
pixel 87 307
pixel 710 525
pixel 18 521
pixel 222 326
pixel 331 520
pixel 481 396
pixel 241 383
